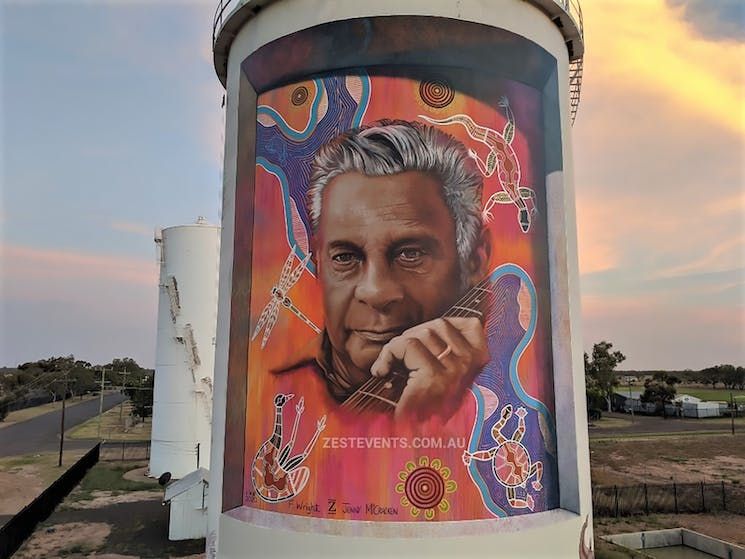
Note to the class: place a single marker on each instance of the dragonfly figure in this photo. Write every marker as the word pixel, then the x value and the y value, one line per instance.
pixel 287 278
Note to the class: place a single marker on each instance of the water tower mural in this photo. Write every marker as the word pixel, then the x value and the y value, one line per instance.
pixel 395 361
pixel 487 446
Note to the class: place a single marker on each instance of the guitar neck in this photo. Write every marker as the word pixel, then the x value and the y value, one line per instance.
pixel 382 394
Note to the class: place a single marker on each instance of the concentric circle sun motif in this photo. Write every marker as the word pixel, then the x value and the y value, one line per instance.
pixel 436 92
pixel 299 95
pixel 424 486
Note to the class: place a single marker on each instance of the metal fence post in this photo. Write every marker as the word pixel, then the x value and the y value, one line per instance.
pixel 724 498
pixel 122 451
pixel 615 491
pixel 703 501
pixel 675 497
pixel 646 500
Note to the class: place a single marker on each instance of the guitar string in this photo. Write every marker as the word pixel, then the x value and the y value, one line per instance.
pixel 376 385
pixel 372 394
pixel 367 396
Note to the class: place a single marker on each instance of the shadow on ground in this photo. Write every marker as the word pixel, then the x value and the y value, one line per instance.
pixel 108 514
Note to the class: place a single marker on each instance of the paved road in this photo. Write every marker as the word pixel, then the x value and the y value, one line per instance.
pixel 41 433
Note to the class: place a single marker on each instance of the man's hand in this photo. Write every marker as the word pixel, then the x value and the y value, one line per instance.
pixel 443 357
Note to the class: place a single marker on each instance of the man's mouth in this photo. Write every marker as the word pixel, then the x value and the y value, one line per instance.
pixel 378 336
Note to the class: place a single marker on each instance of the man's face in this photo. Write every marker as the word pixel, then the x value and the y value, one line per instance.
pixel 387 260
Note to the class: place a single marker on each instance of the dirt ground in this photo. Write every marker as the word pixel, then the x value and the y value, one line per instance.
pixel 23 478
pixel 683 459
pixel 124 519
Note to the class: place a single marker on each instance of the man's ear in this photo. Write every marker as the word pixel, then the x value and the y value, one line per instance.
pixel 478 263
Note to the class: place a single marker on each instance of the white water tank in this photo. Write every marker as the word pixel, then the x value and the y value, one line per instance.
pixel 185 351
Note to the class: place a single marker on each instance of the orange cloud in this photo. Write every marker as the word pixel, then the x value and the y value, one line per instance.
pixel 132 227
pixel 35 272
pixel 647 45
pixel 663 334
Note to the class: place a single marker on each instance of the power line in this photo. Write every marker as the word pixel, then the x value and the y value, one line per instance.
pixel 20 398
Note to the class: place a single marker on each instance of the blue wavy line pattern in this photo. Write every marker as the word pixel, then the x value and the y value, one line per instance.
pixel 288 153
pixel 282 124
pixel 507 340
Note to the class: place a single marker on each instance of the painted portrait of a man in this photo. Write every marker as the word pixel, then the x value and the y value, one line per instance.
pixel 393 317
pixel 398 239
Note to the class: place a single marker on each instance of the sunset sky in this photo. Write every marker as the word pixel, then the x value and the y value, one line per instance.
pixel 111 126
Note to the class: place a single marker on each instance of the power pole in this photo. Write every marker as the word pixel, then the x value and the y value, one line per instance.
pixel 732 410
pixel 62 424
pixel 124 374
pixel 100 401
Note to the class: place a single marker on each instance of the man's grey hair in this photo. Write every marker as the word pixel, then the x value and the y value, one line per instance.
pixel 389 147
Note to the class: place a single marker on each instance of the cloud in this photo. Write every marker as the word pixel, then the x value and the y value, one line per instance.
pixel 97 306
pixel 659 186
pixel 661 335
pixel 659 176
pixel 38 274
pixel 132 227
pixel 646 45
pixel 718 19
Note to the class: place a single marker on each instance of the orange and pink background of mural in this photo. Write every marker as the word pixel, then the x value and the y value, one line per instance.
pixel 363 467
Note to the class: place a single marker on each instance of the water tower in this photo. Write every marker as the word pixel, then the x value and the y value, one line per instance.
pixel 185 352
pixel 398 366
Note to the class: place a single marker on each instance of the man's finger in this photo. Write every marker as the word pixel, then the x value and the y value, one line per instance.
pixel 402 349
pixel 469 329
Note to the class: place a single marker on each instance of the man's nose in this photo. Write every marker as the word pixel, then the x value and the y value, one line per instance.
pixel 377 287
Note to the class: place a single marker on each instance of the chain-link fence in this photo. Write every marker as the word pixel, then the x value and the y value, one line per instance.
pixel 125 450
pixel 626 500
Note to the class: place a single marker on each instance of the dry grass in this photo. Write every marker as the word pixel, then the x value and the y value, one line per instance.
pixel 683 458
pixel 23 478
pixel 114 426
pixel 76 539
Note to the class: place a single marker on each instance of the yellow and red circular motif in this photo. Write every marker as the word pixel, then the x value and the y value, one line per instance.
pixel 424 487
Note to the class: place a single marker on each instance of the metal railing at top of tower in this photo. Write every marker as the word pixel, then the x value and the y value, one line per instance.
pixel 572 8
pixel 226 7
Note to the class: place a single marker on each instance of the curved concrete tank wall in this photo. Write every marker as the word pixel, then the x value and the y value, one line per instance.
pixel 184 361
pixel 241 525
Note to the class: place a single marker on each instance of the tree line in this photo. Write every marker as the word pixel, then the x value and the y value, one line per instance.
pixel 49 380
pixel 718 376
pixel 602 378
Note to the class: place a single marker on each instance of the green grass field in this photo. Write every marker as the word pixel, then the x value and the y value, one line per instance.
pixel 712 394
pixel 706 394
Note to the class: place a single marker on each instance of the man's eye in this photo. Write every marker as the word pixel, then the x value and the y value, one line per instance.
pixel 344 258
pixel 410 256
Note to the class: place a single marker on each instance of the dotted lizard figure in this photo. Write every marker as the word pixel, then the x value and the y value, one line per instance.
pixel 511 462
pixel 501 159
